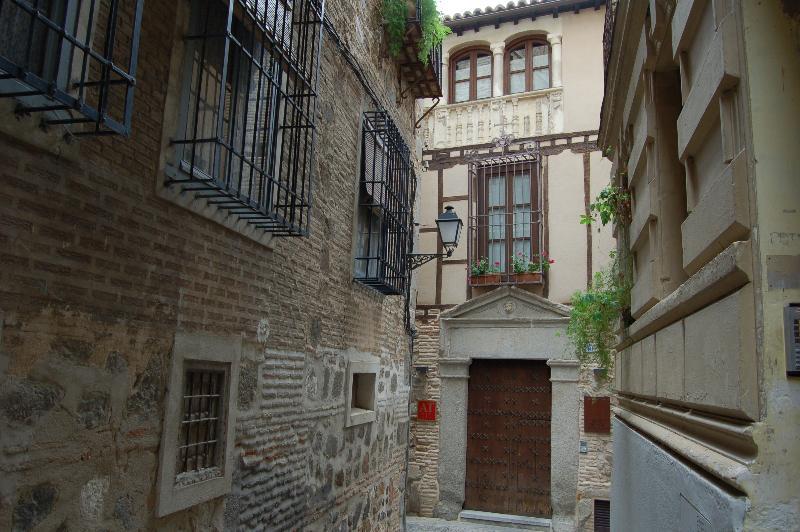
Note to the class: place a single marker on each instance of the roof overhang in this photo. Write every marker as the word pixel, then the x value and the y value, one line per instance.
pixel 515 11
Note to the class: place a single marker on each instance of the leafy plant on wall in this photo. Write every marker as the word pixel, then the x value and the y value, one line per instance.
pixel 395 15
pixel 596 311
pixel 612 204
pixel 594 315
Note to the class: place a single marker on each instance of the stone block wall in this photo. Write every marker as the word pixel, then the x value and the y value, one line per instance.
pixel 97 274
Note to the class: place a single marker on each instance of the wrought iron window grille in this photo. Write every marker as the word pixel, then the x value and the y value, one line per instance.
pixel 65 58
pixel 201 433
pixel 386 197
pixel 246 134
pixel 505 211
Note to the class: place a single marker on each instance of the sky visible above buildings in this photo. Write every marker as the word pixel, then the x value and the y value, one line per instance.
pixel 449 7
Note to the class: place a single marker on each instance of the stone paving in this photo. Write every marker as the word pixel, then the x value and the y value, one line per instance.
pixel 428 524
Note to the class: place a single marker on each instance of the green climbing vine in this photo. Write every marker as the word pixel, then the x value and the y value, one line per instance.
pixel 596 311
pixel 612 204
pixel 594 315
pixel 395 15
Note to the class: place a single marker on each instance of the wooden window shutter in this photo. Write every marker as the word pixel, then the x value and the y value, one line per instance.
pixel 596 414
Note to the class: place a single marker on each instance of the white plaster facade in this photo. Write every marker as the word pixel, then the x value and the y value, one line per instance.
pixel 458 323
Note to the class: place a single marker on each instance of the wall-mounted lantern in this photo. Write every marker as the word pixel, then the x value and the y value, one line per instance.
pixel 448 225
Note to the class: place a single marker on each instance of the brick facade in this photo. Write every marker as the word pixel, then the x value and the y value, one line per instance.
pixel 97 274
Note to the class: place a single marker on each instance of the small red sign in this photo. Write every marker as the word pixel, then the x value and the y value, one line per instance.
pixel 426 410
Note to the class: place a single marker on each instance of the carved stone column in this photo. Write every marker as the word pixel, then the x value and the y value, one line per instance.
pixel 555 56
pixel 445 78
pixel 497 73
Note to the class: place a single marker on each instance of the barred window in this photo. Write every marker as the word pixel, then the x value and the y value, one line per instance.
pixel 505 218
pixel 75 61
pixel 385 206
pixel 201 429
pixel 245 139
pixel 196 454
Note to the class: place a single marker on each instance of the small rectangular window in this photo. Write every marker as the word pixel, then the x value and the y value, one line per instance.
pixel 201 421
pixel 602 515
pixel 197 441
pixel 386 192
pixel 361 379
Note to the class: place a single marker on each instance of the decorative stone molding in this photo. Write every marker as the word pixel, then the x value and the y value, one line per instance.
pixel 498 50
pixel 480 121
pixel 507 323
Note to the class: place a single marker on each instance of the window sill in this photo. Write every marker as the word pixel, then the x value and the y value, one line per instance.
pixel 359 416
pixel 529 94
pixel 499 279
pixel 175 195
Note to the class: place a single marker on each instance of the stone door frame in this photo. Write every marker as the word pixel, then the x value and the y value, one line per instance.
pixel 510 324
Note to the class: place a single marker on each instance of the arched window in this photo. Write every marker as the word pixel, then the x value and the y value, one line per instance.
pixel 527 65
pixel 471 75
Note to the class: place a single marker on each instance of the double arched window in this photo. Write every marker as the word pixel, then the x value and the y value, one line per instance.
pixel 527 65
pixel 471 75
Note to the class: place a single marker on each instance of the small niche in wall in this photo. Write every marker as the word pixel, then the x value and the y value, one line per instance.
pixel 361 405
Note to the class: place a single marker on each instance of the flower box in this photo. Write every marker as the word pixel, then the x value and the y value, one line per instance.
pixel 487 279
pixel 528 278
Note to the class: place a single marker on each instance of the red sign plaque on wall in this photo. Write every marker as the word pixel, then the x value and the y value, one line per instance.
pixel 426 410
pixel 596 414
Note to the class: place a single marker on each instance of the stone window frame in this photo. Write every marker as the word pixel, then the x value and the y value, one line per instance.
pixel 195 349
pixel 353 414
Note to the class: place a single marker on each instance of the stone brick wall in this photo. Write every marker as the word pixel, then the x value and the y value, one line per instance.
pixel 423 467
pixel 594 467
pixel 97 274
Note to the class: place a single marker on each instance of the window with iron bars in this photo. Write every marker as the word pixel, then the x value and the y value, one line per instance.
pixel 202 434
pixel 385 206
pixel 73 60
pixel 245 139
pixel 505 214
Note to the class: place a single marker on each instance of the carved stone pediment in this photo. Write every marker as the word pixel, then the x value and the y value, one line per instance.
pixel 509 303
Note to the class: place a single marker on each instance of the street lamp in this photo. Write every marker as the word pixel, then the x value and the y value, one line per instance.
pixel 449 225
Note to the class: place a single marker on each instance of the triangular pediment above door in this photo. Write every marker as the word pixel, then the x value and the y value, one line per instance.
pixel 508 302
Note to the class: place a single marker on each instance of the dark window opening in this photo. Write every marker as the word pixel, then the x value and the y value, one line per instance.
pixel 201 435
pixel 385 206
pixel 363 392
pixel 602 516
pixel 73 60
pixel 245 141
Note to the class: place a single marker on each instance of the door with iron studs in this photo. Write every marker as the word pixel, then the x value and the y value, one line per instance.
pixel 508 437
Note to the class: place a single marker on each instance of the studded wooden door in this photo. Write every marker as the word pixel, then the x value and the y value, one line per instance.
pixel 508 437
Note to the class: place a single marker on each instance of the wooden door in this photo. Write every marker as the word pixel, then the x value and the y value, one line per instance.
pixel 508 437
